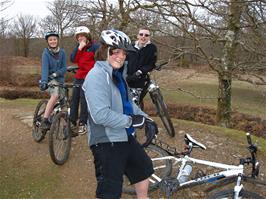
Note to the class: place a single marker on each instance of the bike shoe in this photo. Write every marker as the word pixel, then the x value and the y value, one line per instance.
pixel 74 129
pixel 82 129
pixel 45 124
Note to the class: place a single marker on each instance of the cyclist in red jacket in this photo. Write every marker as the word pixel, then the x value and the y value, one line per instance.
pixel 83 56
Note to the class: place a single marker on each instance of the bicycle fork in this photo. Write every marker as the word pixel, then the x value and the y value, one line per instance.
pixel 238 187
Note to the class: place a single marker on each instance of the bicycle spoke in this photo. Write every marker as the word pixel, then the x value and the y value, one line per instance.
pixel 37 133
pixel 59 142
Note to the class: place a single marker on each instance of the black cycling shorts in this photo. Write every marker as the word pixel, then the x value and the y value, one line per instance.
pixel 113 160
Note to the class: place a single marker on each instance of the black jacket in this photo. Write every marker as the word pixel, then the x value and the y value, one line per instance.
pixel 143 59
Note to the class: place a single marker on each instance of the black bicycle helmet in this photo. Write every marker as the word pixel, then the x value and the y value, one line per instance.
pixel 116 39
pixel 51 33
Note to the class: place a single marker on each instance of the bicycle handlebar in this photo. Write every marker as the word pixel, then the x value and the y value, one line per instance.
pixel 249 138
pixel 252 147
pixel 72 69
pixel 253 150
pixel 159 66
pixel 61 85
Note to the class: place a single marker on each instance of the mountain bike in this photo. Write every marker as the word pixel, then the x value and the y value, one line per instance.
pixel 183 178
pixel 60 133
pixel 156 96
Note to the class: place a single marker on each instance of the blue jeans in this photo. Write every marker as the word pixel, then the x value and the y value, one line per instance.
pixel 78 97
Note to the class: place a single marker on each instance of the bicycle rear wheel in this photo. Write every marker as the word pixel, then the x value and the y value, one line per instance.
pixel 60 139
pixel 162 111
pixel 162 169
pixel 38 134
pixel 230 194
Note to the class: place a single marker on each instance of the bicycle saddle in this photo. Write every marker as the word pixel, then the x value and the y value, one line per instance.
pixel 189 139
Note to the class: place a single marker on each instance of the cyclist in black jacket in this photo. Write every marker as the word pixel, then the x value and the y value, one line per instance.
pixel 142 61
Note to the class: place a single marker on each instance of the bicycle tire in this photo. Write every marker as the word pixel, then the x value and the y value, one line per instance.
pixel 162 111
pixel 162 169
pixel 37 133
pixel 230 194
pixel 60 139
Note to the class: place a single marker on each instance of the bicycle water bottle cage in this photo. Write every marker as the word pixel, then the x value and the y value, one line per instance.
pixel 195 144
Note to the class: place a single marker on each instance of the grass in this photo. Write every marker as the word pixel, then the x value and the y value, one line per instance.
pixel 236 135
pixel 20 102
pixel 245 97
pixel 22 182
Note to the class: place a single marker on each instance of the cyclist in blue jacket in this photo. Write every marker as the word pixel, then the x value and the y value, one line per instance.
pixel 53 71
pixel 112 120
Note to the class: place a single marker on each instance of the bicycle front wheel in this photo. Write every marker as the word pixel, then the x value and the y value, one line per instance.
pixel 162 111
pixel 230 194
pixel 162 169
pixel 60 139
pixel 38 134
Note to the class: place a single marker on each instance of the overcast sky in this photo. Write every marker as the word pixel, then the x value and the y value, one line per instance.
pixel 36 8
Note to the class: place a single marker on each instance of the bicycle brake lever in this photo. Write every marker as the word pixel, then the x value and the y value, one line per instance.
pixel 253 148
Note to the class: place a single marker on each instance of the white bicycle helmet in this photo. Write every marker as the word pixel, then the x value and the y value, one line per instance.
pixel 82 30
pixel 117 39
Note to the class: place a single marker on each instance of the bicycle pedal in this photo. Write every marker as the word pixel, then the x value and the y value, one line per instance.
pixel 82 130
pixel 169 185
pixel 74 134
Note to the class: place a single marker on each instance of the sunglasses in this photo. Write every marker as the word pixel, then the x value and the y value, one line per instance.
pixel 142 34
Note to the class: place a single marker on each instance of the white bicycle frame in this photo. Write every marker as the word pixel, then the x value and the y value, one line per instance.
pixel 229 171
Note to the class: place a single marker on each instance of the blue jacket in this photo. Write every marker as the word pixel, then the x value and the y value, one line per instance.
pixel 53 64
pixel 106 120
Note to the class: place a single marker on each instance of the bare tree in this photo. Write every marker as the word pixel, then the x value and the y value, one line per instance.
pixel 49 22
pixel 4 4
pixel 65 13
pixel 96 15
pixel 3 28
pixel 213 24
pixel 24 28
pixel 102 14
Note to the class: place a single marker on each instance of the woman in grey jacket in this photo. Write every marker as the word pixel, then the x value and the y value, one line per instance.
pixel 112 119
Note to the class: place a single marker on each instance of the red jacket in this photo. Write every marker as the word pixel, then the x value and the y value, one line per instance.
pixel 84 59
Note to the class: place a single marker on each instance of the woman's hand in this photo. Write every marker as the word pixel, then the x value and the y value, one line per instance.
pixel 82 43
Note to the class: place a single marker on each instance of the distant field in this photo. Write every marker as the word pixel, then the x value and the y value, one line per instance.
pixel 246 98
pixel 33 69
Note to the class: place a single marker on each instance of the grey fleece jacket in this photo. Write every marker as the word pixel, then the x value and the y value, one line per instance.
pixel 106 121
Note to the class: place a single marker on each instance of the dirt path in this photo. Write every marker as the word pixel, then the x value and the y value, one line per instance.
pixel 19 150
pixel 28 172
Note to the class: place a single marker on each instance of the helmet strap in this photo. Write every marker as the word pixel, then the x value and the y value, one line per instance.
pixel 108 52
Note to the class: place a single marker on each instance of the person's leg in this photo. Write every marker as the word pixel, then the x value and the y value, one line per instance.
pixel 74 103
pixel 109 161
pixel 50 105
pixel 83 108
pixel 139 168
pixel 142 189
pixel 45 124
